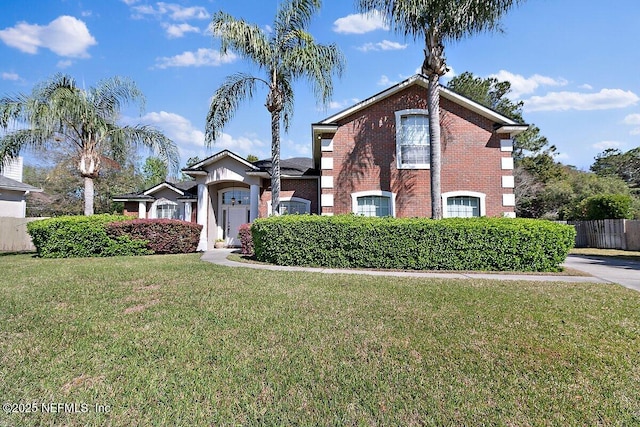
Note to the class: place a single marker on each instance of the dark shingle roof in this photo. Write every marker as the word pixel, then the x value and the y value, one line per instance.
pixel 297 166
pixel 12 184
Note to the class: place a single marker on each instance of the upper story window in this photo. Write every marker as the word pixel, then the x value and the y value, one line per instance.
pixel 412 139
pixel 373 203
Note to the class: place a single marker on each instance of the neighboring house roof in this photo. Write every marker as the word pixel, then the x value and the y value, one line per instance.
pixel 507 124
pixel 185 190
pixel 294 167
pixel 13 185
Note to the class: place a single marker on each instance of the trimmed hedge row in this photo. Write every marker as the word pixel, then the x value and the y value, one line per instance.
pixel 82 236
pixel 111 235
pixel 164 236
pixel 348 241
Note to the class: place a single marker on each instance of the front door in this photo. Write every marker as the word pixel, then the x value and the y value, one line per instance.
pixel 236 216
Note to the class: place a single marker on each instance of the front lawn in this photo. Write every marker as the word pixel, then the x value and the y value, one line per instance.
pixel 171 340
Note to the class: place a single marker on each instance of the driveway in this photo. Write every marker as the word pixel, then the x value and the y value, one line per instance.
pixel 614 270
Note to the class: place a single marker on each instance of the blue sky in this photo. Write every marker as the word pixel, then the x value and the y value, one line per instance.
pixel 575 64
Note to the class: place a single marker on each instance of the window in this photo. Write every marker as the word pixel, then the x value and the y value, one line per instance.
pixel 373 203
pixel 236 197
pixel 463 207
pixel 412 139
pixel 292 205
pixel 463 204
pixel 167 210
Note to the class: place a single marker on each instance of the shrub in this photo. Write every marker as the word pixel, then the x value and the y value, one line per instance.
pixel 606 206
pixel 81 236
pixel 347 241
pixel 162 236
pixel 245 239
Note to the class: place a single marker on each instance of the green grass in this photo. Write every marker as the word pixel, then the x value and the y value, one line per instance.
pixel 607 253
pixel 171 340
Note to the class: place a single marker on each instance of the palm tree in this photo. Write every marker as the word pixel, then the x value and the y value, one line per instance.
pixel 58 114
pixel 438 21
pixel 286 53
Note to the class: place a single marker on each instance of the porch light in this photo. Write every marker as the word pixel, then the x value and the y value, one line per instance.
pixel 233 201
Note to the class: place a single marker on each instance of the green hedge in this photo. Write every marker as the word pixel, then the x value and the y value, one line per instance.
pixel 348 241
pixel 82 236
pixel 164 236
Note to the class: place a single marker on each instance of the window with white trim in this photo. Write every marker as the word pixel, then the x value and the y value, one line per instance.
pixel 463 207
pixel 167 210
pixel 374 206
pixel 463 204
pixel 412 139
pixel 292 205
pixel 373 203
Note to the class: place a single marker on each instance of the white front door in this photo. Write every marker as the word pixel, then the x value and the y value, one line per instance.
pixel 236 216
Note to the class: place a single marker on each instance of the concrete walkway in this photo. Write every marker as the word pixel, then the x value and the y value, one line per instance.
pixel 626 273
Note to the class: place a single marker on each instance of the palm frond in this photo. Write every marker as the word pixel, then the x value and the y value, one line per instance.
pixel 226 100
pixel 317 63
pixel 294 15
pixel 246 39
pixel 111 94
pixel 454 20
pixel 145 136
pixel 12 143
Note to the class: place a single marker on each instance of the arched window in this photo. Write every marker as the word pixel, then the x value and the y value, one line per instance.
pixel 292 205
pixel 463 204
pixel 373 203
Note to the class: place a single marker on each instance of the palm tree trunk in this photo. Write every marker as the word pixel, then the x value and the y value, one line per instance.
pixel 435 155
pixel 88 195
pixel 275 162
pixel 433 67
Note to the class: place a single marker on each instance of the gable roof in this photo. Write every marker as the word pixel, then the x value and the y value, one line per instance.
pixel 182 188
pixel 509 124
pixel 13 185
pixel 199 167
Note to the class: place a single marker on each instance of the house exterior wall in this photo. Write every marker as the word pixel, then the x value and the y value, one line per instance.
pixel 131 209
pixel 363 158
pixel 303 188
pixel 12 204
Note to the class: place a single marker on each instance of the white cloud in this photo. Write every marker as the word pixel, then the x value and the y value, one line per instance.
pixel 65 36
pixel 521 85
pixel 632 119
pixel 360 23
pixel 65 63
pixel 129 2
pixel 10 76
pixel 339 105
pixel 562 101
pixel 173 11
pixel 603 145
pixel 190 140
pixel 199 58
pixel 176 31
pixel 383 45
pixel 586 86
